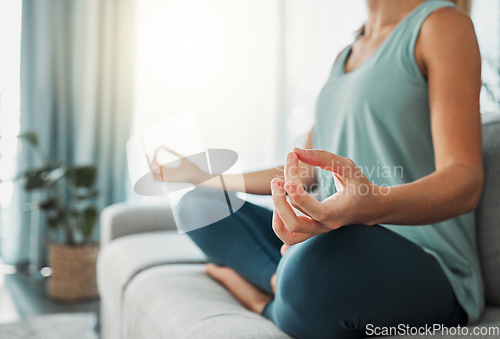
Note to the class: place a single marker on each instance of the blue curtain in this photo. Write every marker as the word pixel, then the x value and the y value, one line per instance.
pixel 76 92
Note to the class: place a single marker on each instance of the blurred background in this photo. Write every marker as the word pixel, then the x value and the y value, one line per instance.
pixel 85 75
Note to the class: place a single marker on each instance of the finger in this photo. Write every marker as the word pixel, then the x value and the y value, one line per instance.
pixel 154 160
pixel 339 184
pixel 292 168
pixel 325 160
pixel 307 203
pixel 282 206
pixel 159 171
pixel 156 168
pixel 158 174
pixel 297 207
pixel 291 173
pixel 288 238
pixel 294 223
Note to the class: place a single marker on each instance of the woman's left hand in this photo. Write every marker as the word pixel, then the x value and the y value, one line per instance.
pixel 356 201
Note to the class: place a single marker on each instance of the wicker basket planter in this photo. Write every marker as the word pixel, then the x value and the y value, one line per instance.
pixel 73 271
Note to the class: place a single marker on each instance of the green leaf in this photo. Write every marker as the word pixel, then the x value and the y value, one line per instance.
pixel 31 137
pixel 48 204
pixel 91 194
pixel 43 177
pixel 82 176
pixel 37 178
pixel 89 217
pixel 53 223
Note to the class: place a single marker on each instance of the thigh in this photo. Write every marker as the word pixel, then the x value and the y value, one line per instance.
pixel 244 240
pixel 336 284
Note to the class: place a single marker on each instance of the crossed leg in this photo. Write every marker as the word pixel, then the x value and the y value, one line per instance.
pixel 332 285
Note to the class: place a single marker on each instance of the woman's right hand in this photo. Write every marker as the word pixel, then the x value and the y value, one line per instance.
pixel 186 171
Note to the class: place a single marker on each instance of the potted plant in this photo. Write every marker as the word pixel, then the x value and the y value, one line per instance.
pixel 67 200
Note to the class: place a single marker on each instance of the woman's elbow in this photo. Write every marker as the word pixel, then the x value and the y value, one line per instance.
pixel 474 189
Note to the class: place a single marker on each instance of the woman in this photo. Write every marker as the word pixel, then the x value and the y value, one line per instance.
pixel 397 134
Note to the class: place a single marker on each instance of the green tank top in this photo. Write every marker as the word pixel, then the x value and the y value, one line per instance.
pixel 378 115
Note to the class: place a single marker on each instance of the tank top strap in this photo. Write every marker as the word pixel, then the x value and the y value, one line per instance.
pixel 414 23
pixel 401 45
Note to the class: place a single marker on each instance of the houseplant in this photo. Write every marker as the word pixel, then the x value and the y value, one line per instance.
pixel 67 200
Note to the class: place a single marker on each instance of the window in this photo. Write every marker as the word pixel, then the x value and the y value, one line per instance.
pixel 10 56
pixel 217 59
pixel 250 71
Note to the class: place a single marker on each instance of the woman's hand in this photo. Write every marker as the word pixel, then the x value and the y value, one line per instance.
pixel 356 200
pixel 186 171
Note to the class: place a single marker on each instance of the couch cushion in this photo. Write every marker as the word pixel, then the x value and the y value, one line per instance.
pixel 488 210
pixel 181 301
pixel 123 258
pixel 491 315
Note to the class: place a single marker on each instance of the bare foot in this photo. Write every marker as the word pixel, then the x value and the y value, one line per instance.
pixel 246 293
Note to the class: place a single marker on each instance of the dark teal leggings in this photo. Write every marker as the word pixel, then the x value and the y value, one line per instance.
pixel 332 285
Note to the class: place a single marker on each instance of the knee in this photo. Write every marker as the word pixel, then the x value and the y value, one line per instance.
pixel 318 290
pixel 193 209
pixel 185 207
pixel 311 270
pixel 311 306
pixel 191 200
pixel 332 264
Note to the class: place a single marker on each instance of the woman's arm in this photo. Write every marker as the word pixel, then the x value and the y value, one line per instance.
pixel 448 55
pixel 257 182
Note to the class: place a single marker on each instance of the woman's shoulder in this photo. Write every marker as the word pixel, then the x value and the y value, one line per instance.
pixel 446 34
pixel 446 23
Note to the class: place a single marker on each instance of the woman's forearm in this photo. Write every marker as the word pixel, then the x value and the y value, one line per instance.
pixel 259 182
pixel 442 195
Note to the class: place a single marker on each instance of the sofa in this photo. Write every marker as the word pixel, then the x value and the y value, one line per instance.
pixel 152 284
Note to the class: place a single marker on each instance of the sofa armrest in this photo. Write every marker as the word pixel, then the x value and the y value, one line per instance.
pixel 122 219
